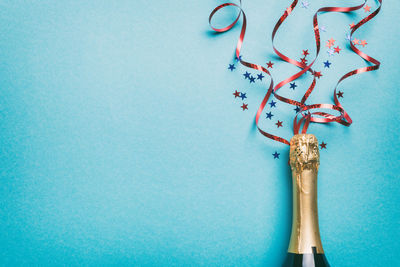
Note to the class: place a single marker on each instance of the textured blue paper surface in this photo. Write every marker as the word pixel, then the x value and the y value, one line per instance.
pixel 122 144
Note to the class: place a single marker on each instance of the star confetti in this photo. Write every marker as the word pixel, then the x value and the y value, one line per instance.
pixel 317 74
pixel 293 85
pixel 243 96
pixel 363 43
pixel 337 49
pixel 367 8
pixel 260 76
pixel 327 64
pixel 236 94
pixel 244 106
pixel 323 145
pixel 278 124
pixel 272 103
pixel 339 94
pixel 356 41
pixel 305 4
pixel 328 44
pixel 231 67
pixel 303 60
pixel 238 58
pixel 351 25
pixel 246 75
pixel 276 155
pixel 331 41
pixel 269 115
pixel 297 109
pixel 252 79
pixel 270 64
pixel 330 52
pixel 305 52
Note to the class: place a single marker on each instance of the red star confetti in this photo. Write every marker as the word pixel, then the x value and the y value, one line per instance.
pixel 279 124
pixel 337 49
pixel 270 64
pixel 244 106
pixel 339 94
pixel 317 74
pixel 303 60
pixel 328 44
pixel 236 93
pixel 305 52
pixel 367 8
pixel 351 25
pixel 323 145
pixel 356 41
pixel 363 43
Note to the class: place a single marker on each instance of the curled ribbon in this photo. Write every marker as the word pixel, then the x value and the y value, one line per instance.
pixel 307 116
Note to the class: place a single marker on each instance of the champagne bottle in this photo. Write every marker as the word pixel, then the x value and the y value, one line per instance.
pixel 305 247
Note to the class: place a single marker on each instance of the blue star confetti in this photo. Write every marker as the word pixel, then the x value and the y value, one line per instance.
pixel 246 75
pixel 252 79
pixel 327 64
pixel 293 85
pixel 260 76
pixel 231 67
pixel 297 109
pixel 269 115
pixel 272 103
pixel 276 155
pixel 243 96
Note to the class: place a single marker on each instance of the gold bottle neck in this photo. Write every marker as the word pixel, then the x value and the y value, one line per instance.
pixel 304 162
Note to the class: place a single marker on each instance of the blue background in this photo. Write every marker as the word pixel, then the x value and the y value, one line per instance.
pixel 122 144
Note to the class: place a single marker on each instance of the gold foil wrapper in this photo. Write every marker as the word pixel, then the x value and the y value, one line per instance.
pixel 304 162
